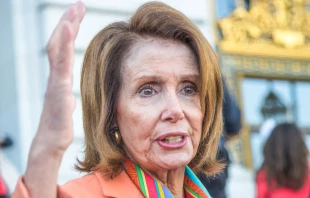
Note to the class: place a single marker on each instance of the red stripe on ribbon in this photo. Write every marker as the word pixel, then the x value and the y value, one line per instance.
pixel 150 185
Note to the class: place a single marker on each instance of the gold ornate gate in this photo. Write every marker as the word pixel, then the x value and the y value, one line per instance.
pixel 270 41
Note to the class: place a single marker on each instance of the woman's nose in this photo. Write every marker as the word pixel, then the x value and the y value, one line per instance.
pixel 172 111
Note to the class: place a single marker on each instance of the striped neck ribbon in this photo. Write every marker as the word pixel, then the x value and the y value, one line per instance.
pixel 152 188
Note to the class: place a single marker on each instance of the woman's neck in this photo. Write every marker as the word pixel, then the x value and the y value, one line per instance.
pixel 172 179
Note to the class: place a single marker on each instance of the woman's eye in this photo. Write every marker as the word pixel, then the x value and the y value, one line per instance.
pixel 147 91
pixel 189 90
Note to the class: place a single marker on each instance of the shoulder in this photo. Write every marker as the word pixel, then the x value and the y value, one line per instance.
pixel 95 185
pixel 261 175
pixel 85 186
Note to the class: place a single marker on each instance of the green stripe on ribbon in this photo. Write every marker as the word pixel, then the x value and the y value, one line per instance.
pixel 192 192
pixel 141 181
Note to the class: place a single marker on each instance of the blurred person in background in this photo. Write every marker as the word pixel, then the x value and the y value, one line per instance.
pixel 232 126
pixel 4 190
pixel 285 169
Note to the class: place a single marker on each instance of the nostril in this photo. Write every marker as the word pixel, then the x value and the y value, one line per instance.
pixel 172 115
pixel 169 119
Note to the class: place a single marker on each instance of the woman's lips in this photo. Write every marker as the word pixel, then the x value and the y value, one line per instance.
pixel 172 140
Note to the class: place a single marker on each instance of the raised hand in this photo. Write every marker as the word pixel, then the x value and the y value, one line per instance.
pixel 55 132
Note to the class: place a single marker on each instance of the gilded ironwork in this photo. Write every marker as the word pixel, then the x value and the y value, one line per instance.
pixel 234 65
pixel 273 108
pixel 270 41
pixel 284 23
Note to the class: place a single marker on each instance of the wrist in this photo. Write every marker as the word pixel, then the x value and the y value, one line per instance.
pixel 43 148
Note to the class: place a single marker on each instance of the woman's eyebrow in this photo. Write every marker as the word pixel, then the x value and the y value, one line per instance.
pixel 147 77
pixel 158 78
pixel 190 76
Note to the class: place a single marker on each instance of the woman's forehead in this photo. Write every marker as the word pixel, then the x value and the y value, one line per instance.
pixel 160 54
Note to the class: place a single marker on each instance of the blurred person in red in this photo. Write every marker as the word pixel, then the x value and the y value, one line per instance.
pixel 4 191
pixel 285 170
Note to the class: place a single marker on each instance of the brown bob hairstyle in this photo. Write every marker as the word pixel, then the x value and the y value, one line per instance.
pixel 286 158
pixel 101 81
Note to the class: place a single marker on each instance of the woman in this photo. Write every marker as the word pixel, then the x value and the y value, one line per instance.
pixel 152 102
pixel 285 170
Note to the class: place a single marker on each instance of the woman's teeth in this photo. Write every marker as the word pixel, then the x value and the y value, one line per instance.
pixel 173 139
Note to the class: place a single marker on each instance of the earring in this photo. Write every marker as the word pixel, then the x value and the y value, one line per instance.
pixel 118 137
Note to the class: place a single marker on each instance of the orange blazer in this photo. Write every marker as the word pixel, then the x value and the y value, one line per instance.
pixel 92 185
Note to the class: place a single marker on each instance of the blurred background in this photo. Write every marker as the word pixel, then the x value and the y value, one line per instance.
pixel 264 55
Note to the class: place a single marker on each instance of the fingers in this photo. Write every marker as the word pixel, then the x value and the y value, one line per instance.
pixel 80 7
pixel 74 10
pixel 74 14
pixel 60 48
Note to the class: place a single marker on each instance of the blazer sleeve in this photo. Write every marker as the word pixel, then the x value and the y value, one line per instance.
pixel 20 190
pixel 86 186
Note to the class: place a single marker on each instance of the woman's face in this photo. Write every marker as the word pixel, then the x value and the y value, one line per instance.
pixel 158 110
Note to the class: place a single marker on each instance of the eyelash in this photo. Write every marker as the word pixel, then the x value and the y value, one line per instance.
pixel 147 86
pixel 152 88
pixel 192 86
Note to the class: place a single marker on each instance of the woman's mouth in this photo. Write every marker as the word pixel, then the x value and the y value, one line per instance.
pixel 172 140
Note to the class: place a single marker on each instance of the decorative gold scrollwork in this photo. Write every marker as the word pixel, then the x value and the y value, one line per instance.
pixel 285 23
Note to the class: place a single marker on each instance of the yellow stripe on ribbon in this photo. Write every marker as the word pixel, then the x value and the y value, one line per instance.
pixel 145 185
pixel 160 190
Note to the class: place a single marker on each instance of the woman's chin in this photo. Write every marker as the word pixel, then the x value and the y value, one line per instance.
pixel 175 161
